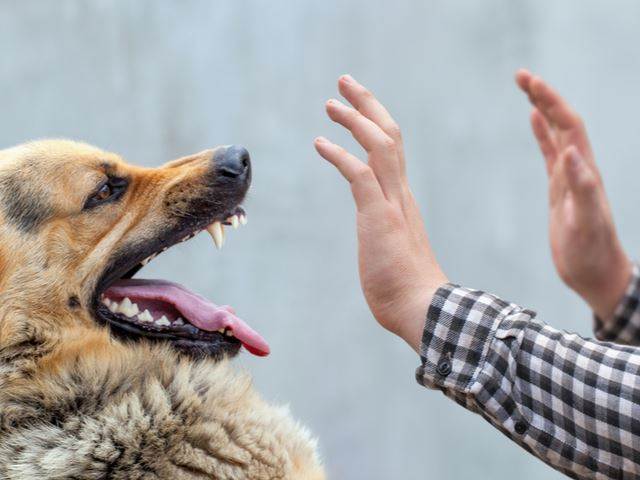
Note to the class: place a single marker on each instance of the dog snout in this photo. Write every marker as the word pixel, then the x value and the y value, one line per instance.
pixel 233 162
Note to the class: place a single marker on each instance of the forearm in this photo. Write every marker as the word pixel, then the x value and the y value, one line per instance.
pixel 569 401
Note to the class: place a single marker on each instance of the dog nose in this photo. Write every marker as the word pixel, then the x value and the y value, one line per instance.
pixel 233 162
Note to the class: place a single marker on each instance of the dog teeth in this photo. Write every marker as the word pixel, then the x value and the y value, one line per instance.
pixel 148 259
pixel 128 308
pixel 145 317
pixel 216 230
pixel 235 223
pixel 229 333
pixel 243 219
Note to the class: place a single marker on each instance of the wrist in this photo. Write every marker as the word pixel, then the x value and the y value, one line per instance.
pixel 605 295
pixel 411 326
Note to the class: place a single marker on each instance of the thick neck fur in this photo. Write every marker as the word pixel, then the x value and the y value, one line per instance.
pixel 125 411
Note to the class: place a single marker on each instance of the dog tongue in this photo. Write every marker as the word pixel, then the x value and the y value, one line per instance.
pixel 196 309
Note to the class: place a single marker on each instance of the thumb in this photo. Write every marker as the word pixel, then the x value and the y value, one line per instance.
pixel 581 179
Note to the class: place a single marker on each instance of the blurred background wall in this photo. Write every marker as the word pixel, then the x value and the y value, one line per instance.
pixel 154 80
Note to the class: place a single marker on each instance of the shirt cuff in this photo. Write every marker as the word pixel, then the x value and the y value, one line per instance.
pixel 460 326
pixel 624 325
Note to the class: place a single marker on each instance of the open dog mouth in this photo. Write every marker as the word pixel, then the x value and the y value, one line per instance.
pixel 163 310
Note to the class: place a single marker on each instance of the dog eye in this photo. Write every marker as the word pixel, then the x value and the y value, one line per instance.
pixel 111 190
pixel 104 193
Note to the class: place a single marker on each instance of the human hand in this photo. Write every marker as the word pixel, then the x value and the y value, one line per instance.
pixel 398 270
pixel 584 244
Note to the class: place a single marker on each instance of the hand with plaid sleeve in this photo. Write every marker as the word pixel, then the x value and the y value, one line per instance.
pixel 584 244
pixel 571 401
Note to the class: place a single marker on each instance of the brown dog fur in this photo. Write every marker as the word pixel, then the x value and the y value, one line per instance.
pixel 77 403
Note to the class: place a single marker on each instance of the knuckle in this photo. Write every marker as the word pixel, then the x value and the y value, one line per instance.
pixel 395 218
pixel 577 119
pixel 388 143
pixel 366 94
pixel 394 131
pixel 590 183
pixel 341 151
pixel 363 173
pixel 353 114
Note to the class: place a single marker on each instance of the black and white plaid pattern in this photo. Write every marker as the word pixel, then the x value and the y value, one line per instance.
pixel 572 402
pixel 624 327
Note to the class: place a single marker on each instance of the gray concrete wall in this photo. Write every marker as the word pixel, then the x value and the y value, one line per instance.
pixel 154 80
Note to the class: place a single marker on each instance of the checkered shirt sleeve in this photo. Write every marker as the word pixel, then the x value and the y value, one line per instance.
pixel 572 402
pixel 624 326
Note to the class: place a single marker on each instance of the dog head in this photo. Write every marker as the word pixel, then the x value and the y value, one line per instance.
pixel 76 223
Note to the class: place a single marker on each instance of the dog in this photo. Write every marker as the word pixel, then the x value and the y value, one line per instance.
pixel 106 376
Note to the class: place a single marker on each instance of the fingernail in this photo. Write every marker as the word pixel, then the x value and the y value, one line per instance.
pixel 348 79
pixel 321 140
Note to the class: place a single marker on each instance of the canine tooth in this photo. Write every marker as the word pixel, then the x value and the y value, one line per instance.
pixel 216 230
pixel 145 317
pixel 220 330
pixel 106 301
pixel 163 321
pixel 178 321
pixel 243 219
pixel 113 307
pixel 234 221
pixel 229 333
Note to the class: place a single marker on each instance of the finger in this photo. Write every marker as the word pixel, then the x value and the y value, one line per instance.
pixel 557 111
pixel 544 136
pixel 565 124
pixel 523 79
pixel 364 185
pixel 368 105
pixel 383 156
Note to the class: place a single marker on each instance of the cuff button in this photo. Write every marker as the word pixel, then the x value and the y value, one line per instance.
pixel 520 427
pixel 444 367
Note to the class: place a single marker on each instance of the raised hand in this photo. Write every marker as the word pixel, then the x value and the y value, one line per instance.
pixel 584 244
pixel 398 271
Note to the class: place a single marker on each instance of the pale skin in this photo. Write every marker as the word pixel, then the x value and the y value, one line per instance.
pixel 399 273
pixel 584 244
